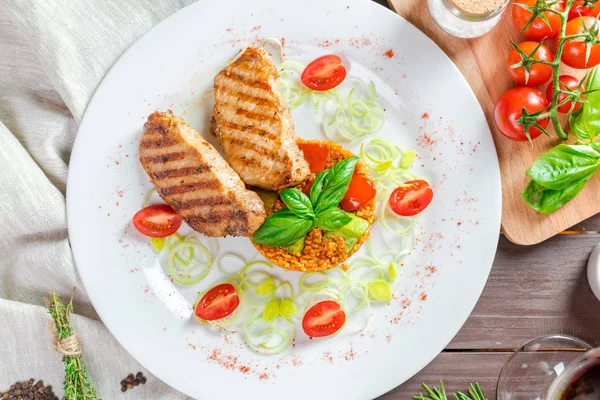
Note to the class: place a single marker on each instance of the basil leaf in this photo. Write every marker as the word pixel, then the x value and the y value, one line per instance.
pixel 297 202
pixel 282 229
pixel 332 219
pixel 547 201
pixel 585 122
pixel 564 166
pixel 317 186
pixel 336 184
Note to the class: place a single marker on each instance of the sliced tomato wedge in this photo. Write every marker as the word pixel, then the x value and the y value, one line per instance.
pixel 316 155
pixel 219 302
pixel 412 198
pixel 360 192
pixel 324 319
pixel 324 73
pixel 157 221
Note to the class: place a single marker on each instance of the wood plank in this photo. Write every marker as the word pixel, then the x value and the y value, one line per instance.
pixel 481 61
pixel 534 291
pixel 457 370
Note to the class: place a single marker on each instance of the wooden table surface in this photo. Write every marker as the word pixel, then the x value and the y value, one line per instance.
pixel 532 291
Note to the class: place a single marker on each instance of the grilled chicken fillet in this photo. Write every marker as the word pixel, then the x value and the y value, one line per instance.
pixel 254 125
pixel 192 177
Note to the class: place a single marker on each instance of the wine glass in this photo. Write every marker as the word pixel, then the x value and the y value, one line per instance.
pixel 553 367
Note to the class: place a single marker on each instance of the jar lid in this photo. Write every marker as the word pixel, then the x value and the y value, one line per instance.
pixel 477 7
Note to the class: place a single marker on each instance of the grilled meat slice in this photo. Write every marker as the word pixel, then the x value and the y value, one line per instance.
pixel 254 125
pixel 192 177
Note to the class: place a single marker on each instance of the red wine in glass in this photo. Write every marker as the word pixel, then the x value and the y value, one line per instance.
pixel 579 381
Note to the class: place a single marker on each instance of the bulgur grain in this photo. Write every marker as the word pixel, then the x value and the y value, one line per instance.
pixel 321 253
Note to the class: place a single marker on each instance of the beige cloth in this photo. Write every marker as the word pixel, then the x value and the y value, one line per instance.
pixel 53 55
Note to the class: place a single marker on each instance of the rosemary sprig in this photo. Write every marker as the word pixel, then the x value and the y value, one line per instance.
pixel 77 384
pixel 474 393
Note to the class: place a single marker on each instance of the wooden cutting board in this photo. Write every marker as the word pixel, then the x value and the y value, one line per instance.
pixel 481 61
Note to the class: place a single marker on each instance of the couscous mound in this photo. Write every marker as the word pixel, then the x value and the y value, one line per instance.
pixel 321 253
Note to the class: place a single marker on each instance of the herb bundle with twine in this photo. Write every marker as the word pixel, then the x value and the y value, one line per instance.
pixel 77 384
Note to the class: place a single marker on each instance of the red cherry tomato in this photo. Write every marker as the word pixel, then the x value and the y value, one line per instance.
pixel 324 73
pixel 412 198
pixel 219 302
pixel 574 53
pixel 316 155
pixel 565 82
pixel 509 109
pixel 538 73
pixel 324 319
pixel 157 221
pixel 580 9
pixel 360 192
pixel 538 29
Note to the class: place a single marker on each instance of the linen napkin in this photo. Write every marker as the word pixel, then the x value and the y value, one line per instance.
pixel 53 55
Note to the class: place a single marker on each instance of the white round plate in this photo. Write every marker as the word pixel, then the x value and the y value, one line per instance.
pixel 429 107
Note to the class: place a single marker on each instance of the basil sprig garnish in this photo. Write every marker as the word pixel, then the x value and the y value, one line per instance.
pixel 558 175
pixel 302 212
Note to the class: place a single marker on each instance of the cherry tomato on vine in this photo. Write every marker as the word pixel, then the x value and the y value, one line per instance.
pixel 538 73
pixel 565 82
pixel 574 53
pixel 580 9
pixel 538 29
pixel 509 109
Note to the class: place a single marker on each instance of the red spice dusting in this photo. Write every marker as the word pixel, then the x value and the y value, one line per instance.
pixel 325 43
pixel 232 363
pixel 347 7
pixel 117 203
pixel 191 346
pixel 296 362
pixel 389 53
pixel 120 193
pixel 425 116
pixel 350 355
pixel 263 376
pixel 404 76
pixel 423 296
pixel 388 338
pixel 229 29
pixel 256 28
pixel 459 223
pixel 108 215
pixel 327 357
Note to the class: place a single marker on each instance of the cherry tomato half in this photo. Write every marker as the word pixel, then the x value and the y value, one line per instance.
pixel 219 302
pixel 580 9
pixel 509 108
pixel 574 53
pixel 538 30
pixel 324 73
pixel 565 82
pixel 324 319
pixel 412 198
pixel 538 73
pixel 316 155
pixel 157 221
pixel 360 192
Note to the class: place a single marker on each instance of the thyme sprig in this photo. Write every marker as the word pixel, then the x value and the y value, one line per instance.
pixel 77 384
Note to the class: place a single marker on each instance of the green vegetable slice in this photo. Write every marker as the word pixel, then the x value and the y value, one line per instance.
pixel 192 272
pixel 380 290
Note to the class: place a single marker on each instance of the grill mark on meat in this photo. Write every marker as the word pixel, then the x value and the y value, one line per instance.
pixel 164 158
pixel 216 217
pixel 190 187
pixel 158 142
pixel 262 151
pixel 262 118
pixel 180 172
pixel 247 81
pixel 202 201
pixel 249 130
pixel 258 102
